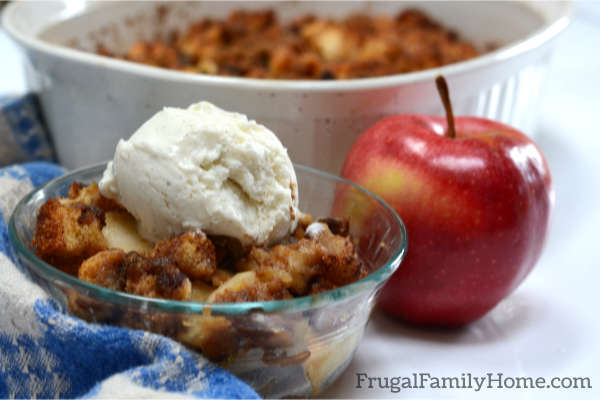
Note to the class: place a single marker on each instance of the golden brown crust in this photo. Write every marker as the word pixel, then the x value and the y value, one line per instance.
pixel 300 260
pixel 340 265
pixel 192 252
pixel 136 274
pixel 69 232
pixel 338 270
pixel 66 234
pixel 314 265
pixel 90 195
pixel 104 269
pixel 155 277
pixel 254 44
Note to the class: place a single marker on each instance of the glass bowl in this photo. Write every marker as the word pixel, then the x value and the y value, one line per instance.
pixel 281 348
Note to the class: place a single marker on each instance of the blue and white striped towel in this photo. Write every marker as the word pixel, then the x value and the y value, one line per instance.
pixel 45 353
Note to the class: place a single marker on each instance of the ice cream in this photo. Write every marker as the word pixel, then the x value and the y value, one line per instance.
pixel 205 168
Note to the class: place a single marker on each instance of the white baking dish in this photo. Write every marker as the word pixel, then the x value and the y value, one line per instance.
pixel 90 101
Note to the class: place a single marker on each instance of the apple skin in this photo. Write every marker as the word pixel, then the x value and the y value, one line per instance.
pixel 476 208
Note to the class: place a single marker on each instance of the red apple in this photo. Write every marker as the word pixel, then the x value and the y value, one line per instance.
pixel 476 197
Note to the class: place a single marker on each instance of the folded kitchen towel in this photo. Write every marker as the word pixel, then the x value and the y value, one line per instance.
pixel 46 353
pixel 23 136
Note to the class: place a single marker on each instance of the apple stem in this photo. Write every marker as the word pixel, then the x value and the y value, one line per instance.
pixel 442 88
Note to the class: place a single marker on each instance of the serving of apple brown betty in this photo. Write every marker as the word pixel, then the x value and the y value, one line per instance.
pixel 76 235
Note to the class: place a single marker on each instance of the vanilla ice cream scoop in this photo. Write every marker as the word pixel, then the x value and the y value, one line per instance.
pixel 205 168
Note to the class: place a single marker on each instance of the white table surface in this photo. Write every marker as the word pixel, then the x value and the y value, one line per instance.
pixel 550 327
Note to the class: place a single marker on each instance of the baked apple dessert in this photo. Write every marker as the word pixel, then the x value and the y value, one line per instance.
pixel 201 205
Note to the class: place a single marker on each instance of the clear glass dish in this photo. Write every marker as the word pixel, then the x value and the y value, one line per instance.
pixel 283 348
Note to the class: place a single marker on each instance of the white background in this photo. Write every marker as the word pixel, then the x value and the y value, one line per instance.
pixel 551 325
